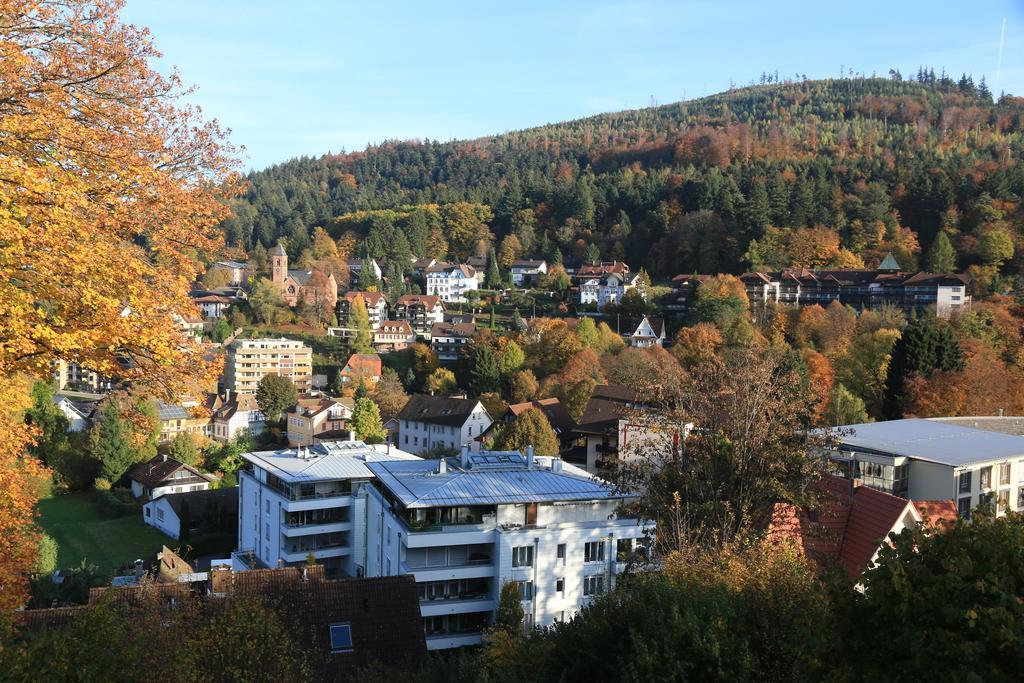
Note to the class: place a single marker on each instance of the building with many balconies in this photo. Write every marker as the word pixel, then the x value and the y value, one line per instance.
pixel 248 360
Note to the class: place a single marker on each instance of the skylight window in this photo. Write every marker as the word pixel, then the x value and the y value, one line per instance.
pixel 341 637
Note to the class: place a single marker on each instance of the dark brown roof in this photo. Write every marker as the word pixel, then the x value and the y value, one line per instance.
pixel 552 408
pixel 608 403
pixel 428 300
pixel 452 329
pixel 452 412
pixel 201 503
pixel 158 472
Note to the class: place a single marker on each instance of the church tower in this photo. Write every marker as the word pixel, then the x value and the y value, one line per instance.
pixel 278 265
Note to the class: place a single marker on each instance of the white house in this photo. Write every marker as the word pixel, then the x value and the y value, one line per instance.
pixel 162 475
pixel 206 510
pixel 934 460
pixel 527 271
pixel 77 414
pixel 237 271
pixel 429 423
pixel 236 416
pixel 420 311
pixel 608 289
pixel 650 332
pixel 463 526
pixel 451 283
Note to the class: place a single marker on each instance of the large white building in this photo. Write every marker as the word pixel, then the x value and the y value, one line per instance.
pixel 432 423
pixel 451 283
pixel 463 526
pixel 933 460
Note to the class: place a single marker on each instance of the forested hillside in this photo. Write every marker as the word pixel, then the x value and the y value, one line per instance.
pixel 811 173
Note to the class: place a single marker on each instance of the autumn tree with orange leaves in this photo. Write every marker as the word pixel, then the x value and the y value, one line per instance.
pixel 109 187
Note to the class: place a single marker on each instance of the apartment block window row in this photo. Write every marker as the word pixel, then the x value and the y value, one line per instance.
pixel 593 585
pixel 522 556
pixel 593 551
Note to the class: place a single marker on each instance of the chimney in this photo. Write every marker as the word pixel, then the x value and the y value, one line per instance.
pixel 556 464
pixel 464 456
pixel 442 466
pixel 164 457
pixel 529 457
pixel 351 435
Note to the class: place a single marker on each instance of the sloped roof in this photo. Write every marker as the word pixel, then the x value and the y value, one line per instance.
pixel 367 363
pixel 395 327
pixel 528 263
pixel 278 250
pixel 847 526
pixel 889 263
pixel 553 410
pixel 157 472
pixel 937 513
pixel 428 300
pixel 452 329
pixel 602 268
pixel 417 484
pixel 452 412
pixel 370 298
pixel 239 403
pixel 657 326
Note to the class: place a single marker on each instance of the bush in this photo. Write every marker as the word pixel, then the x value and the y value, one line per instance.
pixel 47 560
pixel 101 484
pixel 116 502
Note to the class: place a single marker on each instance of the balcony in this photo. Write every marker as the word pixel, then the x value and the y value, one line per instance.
pixel 294 530
pixel 322 547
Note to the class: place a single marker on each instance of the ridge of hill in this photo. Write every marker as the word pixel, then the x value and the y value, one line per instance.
pixel 811 173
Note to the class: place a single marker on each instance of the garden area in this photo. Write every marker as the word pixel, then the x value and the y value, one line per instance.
pixel 82 532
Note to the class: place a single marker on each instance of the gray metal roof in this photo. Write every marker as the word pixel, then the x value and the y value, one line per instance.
pixel 930 440
pixel 417 484
pixel 326 461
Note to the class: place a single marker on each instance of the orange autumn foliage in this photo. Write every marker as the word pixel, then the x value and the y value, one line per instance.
pixel 986 386
pixel 108 190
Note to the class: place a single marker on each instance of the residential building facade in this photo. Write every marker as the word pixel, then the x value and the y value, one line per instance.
pixel 316 419
pixel 451 283
pixel 461 526
pixel 941 294
pixel 448 339
pixel 930 459
pixel 420 311
pixel 376 308
pixel 248 360
pixel 432 423
pixel 525 271
pixel 162 475
pixel 650 332
pixel 238 415
pixel 393 335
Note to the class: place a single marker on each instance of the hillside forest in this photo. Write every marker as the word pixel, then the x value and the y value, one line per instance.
pixel 808 173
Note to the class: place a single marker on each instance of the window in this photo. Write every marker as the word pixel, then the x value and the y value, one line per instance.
pixel 266 506
pixel 560 553
pixel 593 585
pixel 341 637
pixel 160 514
pixel 525 590
pixel 560 585
pixel 965 482
pixel 593 552
pixel 963 507
pixel 986 477
pixel 1003 501
pixel 522 556
pixel 1004 474
pixel 148 512
pixel 266 530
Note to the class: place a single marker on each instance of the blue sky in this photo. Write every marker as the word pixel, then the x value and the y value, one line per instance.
pixel 308 77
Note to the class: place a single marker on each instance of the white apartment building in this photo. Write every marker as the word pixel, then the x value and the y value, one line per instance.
pixel 236 417
pixel 248 360
pixel 451 283
pixel 295 502
pixel 429 423
pixel 466 525
pixel 934 460
pixel 462 526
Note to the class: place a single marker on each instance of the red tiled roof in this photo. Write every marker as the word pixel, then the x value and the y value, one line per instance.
pixel 428 300
pixel 872 516
pixel 846 527
pixel 362 363
pixel 937 513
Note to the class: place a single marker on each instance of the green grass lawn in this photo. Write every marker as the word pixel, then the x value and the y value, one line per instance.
pixel 82 532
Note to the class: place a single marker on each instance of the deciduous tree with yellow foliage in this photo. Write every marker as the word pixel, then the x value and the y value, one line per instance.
pixel 108 188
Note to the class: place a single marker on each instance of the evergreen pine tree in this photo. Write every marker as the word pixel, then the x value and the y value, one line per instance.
pixel 493 280
pixel 485 376
pixel 109 445
pixel 941 258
